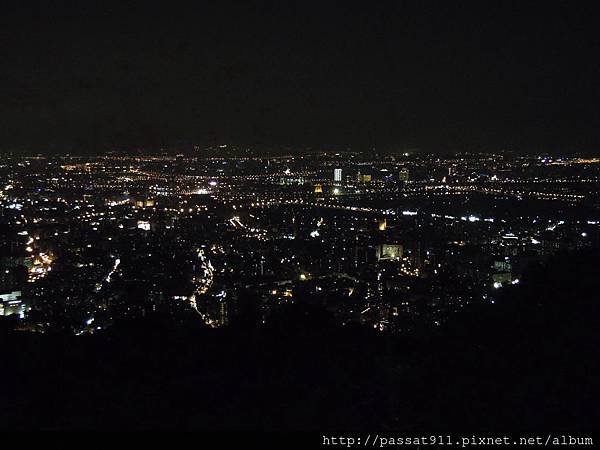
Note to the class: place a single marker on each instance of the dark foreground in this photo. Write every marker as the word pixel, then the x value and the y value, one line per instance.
pixel 528 362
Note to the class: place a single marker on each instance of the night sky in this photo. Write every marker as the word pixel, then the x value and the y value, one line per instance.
pixel 392 75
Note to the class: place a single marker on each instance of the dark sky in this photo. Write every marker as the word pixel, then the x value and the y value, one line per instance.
pixel 437 76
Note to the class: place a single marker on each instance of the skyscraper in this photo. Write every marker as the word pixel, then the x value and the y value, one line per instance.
pixel 337 175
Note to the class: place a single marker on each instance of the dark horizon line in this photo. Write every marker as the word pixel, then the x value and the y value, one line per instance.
pixel 297 149
pixel 268 151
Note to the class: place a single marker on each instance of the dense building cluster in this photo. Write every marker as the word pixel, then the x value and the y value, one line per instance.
pixel 395 242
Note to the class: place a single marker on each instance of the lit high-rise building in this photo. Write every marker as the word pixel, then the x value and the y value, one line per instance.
pixel 403 175
pixel 337 175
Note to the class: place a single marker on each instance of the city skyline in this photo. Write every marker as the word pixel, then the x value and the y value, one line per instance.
pixel 313 292
pixel 385 225
pixel 330 224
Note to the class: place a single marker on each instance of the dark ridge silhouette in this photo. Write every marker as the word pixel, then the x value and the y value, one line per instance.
pixel 526 362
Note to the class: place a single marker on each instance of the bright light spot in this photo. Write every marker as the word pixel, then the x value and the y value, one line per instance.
pixel 497 285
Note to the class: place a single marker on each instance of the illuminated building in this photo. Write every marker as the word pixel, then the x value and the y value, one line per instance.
pixel 337 175
pixel 382 224
pixel 388 251
pixel 289 181
pixel 10 303
pixel 144 203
